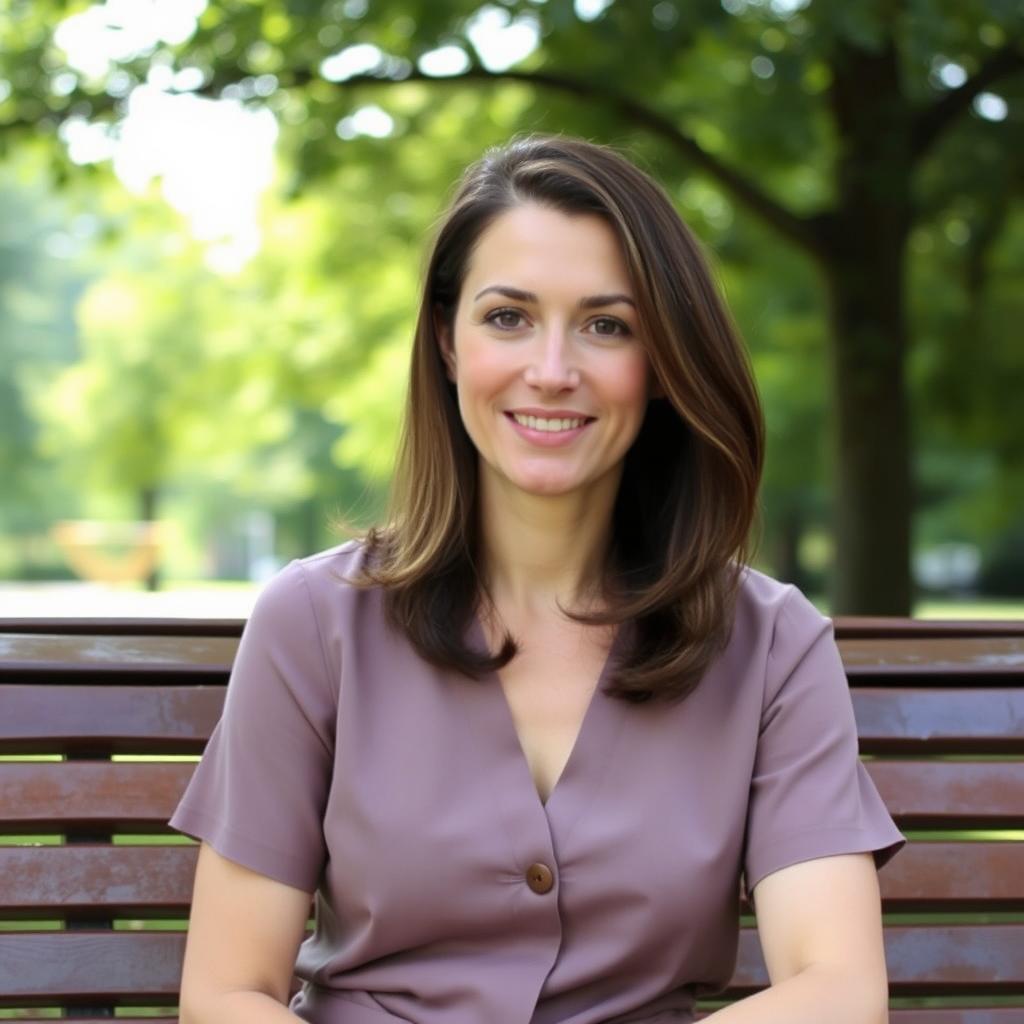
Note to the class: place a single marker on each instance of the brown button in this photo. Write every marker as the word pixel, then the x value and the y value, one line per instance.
pixel 539 878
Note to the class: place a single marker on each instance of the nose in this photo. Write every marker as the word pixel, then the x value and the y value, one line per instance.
pixel 551 366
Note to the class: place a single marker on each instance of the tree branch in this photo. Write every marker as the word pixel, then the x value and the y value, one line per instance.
pixel 931 121
pixel 794 227
pixel 797 229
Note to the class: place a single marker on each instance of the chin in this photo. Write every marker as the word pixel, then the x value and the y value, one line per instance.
pixel 547 488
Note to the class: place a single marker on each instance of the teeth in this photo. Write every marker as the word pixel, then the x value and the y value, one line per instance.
pixel 551 425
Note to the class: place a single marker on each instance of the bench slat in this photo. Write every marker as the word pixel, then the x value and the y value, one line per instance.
pixel 42 882
pixel 962 1015
pixel 144 968
pixel 112 719
pixel 179 719
pixel 846 626
pixel 152 626
pixel 66 654
pixel 948 877
pixel 57 653
pixel 895 627
pixel 906 720
pixel 127 796
pixel 924 960
pixel 104 967
pixel 951 794
pixel 939 656
pixel 124 796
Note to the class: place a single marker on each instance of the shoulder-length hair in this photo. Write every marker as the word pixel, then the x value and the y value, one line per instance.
pixel 688 494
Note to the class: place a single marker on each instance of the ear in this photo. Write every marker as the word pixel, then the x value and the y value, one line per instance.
pixel 444 340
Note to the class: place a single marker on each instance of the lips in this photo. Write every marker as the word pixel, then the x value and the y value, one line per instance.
pixel 549 424
pixel 549 438
pixel 549 414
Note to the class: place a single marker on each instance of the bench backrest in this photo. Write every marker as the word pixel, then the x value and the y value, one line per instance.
pixel 95 890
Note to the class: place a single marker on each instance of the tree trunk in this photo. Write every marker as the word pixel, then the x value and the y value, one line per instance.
pixel 863 253
pixel 871 442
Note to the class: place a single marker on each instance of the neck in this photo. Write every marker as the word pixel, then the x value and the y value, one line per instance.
pixel 540 551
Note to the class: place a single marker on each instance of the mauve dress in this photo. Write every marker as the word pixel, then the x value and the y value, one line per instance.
pixel 446 892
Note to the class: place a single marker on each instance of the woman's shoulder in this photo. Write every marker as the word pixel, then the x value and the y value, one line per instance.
pixel 310 603
pixel 766 604
pixel 337 562
pixel 322 577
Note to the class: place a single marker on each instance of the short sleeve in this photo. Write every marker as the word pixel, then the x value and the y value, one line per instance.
pixel 810 794
pixel 259 792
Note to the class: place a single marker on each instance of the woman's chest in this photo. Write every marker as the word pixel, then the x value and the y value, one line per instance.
pixel 434 816
pixel 548 689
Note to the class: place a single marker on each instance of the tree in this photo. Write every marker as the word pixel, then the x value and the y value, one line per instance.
pixel 189 378
pixel 39 285
pixel 871 118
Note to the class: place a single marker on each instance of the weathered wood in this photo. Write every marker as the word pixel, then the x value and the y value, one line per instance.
pixel 166 719
pixel 120 968
pixel 845 626
pixel 143 968
pixel 49 653
pixel 178 719
pixel 187 628
pixel 155 718
pixel 965 1015
pixel 100 880
pixel 120 796
pixel 962 1015
pixel 952 794
pixel 951 960
pixel 849 627
pixel 948 877
pixel 928 659
pixel 95 687
pixel 130 796
pixel 903 653
pixel 979 720
pixel 154 881
pixel 986 1015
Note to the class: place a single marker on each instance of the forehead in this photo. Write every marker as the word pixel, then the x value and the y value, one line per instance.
pixel 541 249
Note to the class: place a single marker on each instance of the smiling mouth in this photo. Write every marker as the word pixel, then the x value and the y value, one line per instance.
pixel 553 424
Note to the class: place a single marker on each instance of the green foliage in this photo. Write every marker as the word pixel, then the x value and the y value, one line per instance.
pixel 39 285
pixel 287 377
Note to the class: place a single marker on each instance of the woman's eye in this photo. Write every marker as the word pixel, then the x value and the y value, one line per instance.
pixel 507 318
pixel 609 327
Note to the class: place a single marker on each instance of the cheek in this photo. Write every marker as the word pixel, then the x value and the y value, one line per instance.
pixel 482 370
pixel 629 382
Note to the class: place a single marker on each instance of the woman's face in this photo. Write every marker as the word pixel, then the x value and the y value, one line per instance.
pixel 552 378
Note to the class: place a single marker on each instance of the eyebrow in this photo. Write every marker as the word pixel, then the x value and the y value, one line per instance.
pixel 590 302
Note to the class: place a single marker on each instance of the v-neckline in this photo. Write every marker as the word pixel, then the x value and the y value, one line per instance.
pixel 595 705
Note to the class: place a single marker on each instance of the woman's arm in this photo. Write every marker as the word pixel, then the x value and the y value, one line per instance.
pixel 243 937
pixel 820 926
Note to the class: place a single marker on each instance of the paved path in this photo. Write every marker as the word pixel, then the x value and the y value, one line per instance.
pixel 93 600
pixel 235 601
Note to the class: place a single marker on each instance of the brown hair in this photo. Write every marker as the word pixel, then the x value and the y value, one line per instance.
pixel 688 493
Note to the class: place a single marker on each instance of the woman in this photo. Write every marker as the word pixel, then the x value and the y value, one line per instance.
pixel 555 832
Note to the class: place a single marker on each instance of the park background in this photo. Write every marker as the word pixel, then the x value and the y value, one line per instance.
pixel 213 215
pixel 212 223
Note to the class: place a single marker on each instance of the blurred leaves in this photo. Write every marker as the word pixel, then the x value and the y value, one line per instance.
pixel 286 377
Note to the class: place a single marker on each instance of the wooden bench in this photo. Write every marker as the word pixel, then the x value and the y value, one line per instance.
pixel 94 890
